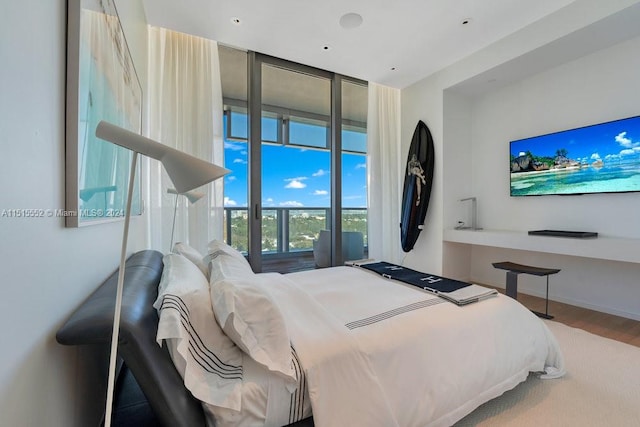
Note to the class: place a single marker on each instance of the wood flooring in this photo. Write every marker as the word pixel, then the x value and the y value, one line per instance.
pixel 603 324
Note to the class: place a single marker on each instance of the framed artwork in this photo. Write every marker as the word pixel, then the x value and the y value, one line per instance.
pixel 102 84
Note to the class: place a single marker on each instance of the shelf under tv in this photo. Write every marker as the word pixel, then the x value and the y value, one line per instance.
pixel 604 247
pixel 564 233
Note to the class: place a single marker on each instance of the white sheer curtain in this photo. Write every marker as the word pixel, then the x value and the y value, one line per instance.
pixel 185 112
pixel 385 173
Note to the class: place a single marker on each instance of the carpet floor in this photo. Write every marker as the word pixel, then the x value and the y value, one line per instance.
pixel 601 388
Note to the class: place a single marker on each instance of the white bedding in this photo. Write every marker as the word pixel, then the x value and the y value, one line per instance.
pixel 381 353
pixel 368 352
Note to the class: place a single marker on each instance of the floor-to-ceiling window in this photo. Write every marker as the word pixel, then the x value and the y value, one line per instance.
pixel 354 157
pixel 295 141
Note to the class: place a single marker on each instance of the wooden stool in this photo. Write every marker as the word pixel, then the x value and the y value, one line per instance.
pixel 514 269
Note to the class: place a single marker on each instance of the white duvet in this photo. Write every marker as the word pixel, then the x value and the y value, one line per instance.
pixel 367 352
pixel 380 353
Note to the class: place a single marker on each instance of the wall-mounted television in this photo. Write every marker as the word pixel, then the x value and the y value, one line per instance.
pixel 601 158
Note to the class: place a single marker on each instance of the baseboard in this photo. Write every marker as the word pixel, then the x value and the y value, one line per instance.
pixel 571 301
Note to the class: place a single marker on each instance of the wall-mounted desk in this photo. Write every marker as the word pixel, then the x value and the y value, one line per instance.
pixel 603 247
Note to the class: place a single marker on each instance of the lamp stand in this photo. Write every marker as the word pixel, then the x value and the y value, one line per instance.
pixel 116 315
pixel 173 227
pixel 186 173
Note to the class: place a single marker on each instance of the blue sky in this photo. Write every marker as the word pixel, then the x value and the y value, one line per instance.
pixel 294 176
pixel 612 141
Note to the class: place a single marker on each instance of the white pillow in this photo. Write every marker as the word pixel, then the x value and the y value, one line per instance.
pixel 249 316
pixel 225 266
pixel 208 361
pixel 192 255
pixel 179 276
pixel 216 246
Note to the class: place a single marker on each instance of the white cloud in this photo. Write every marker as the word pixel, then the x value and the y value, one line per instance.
pixel 229 202
pixel 627 152
pixel 235 146
pixel 296 182
pixel 244 162
pixel 361 166
pixel 231 178
pixel 320 172
pixel 622 139
pixel 320 193
pixel 595 156
pixel 291 204
pixel 268 202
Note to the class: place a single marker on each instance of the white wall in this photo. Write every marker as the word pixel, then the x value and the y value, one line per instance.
pixel 473 119
pixel 427 109
pixel 597 88
pixel 600 87
pixel 47 269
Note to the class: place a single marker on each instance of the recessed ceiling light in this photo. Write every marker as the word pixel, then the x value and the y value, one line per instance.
pixel 466 21
pixel 350 20
pixel 236 21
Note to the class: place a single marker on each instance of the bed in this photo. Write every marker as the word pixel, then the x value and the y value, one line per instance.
pixel 356 349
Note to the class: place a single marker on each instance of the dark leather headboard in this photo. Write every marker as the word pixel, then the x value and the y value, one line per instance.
pixel 150 364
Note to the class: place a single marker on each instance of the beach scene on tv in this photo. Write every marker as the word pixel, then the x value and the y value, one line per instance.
pixel 602 158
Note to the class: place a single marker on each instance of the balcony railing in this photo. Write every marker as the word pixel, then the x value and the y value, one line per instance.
pixel 287 231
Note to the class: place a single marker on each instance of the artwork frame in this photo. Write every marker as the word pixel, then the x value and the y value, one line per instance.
pixel 102 84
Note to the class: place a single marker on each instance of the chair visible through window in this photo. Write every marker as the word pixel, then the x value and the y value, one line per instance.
pixel 352 247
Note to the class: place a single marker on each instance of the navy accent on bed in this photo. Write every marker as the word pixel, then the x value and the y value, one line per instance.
pixel 205 357
pixel 429 282
pixel 297 397
pixel 392 313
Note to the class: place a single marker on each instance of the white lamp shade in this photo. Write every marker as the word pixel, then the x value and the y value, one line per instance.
pixel 186 172
pixel 193 195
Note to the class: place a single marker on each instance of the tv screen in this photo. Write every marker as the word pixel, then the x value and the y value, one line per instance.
pixel 602 158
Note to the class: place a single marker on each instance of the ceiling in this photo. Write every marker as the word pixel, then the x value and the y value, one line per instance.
pixel 397 43
pixel 287 91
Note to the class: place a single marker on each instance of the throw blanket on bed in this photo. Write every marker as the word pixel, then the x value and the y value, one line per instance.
pixel 455 291
pixel 413 277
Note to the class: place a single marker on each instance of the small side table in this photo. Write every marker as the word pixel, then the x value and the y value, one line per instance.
pixel 514 269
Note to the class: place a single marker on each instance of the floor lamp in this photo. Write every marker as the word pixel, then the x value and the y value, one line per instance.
pixel 192 196
pixel 185 171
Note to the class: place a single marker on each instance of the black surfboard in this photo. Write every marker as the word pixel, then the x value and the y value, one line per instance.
pixel 418 177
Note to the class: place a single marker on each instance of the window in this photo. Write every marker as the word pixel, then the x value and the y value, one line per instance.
pixel 295 174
